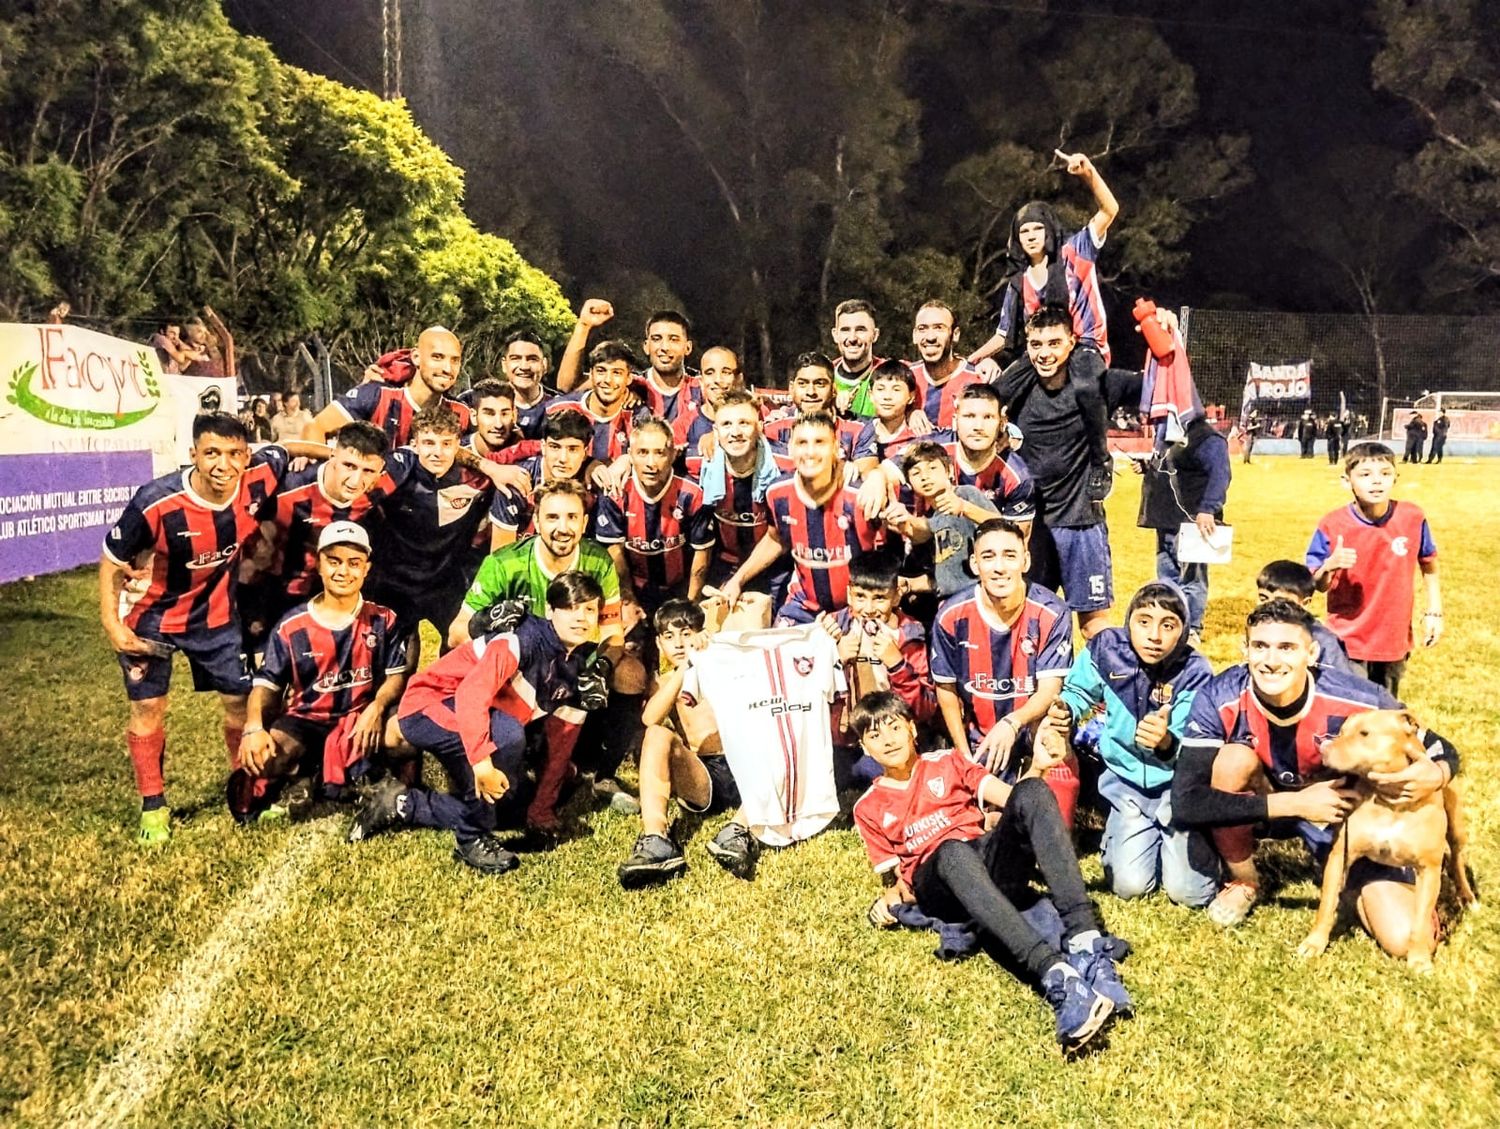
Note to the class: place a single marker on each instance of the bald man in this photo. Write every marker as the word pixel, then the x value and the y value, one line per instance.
pixel 436 360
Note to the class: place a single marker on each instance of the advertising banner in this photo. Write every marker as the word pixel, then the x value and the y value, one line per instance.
pixel 1279 382
pixel 56 509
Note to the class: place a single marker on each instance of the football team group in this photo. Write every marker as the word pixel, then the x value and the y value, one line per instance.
pixel 575 539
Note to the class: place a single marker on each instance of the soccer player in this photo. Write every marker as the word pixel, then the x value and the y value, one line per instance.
pixel 1064 419
pixel 1293 580
pixel 682 755
pixel 470 710
pixel 695 422
pixel 392 408
pixel 334 670
pixel 1361 555
pixel 1046 271
pixel 854 335
pixel 1000 653
pixel 525 365
pixel 282 557
pixel 735 481
pixel 564 457
pixel 1251 758
pixel 1143 677
pixel 811 388
pixel 922 823
pixel 167 579
pixel 605 401
pixel 816 518
pixel 434 499
pixel 892 392
pixel 941 373
pixel 658 531
pixel 494 406
pixel 667 387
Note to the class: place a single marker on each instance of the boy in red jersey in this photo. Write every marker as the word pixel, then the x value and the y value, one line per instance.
pixel 1000 652
pixel 167 580
pixel 1361 555
pixel 335 666
pixel 815 518
pixel 923 828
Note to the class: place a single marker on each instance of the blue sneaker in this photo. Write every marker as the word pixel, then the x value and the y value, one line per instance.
pixel 1081 1011
pixel 1098 970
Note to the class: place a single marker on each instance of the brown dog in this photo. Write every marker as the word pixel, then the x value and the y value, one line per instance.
pixel 1388 831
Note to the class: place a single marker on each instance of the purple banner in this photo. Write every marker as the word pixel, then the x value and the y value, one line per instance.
pixel 56 509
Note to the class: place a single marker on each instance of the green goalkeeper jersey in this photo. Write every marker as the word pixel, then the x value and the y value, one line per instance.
pixel 516 573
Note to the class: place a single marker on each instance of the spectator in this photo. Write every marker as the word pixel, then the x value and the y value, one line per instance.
pixel 174 353
pixel 216 350
pixel 260 425
pixel 293 417
pixel 1416 437
pixel 1439 437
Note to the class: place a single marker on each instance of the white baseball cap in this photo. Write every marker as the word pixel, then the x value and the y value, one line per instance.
pixel 343 533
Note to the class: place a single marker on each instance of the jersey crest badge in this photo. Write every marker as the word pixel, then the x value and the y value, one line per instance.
pixel 938 786
pixel 1028 646
pixel 803 665
pixel 1398 547
pixel 887 819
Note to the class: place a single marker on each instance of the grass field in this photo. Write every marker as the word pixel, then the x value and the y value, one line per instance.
pixel 282 977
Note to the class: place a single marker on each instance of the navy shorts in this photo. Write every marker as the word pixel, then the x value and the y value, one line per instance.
pixel 723 792
pixel 438 606
pixel 216 658
pixel 1077 561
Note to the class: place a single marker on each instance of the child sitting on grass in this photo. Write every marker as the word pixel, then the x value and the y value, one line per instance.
pixel 682 755
pixel 1143 676
pixel 1292 580
pixel 1361 555
pixel 924 831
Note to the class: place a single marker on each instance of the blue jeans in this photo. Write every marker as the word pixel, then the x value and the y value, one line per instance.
pixel 1142 850
pixel 460 810
pixel 1192 577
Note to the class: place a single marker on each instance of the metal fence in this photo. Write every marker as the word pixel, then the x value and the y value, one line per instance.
pixel 1369 360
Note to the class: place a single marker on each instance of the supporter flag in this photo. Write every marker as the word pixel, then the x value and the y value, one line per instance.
pixel 1169 398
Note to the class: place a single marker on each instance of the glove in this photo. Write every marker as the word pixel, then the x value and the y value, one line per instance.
pixel 593 685
pixel 498 618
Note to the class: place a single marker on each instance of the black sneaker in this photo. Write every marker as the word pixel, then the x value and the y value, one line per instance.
pixel 735 849
pixel 654 859
pixel 384 806
pixel 486 855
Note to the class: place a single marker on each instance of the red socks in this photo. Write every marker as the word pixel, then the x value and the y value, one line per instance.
pixel 147 751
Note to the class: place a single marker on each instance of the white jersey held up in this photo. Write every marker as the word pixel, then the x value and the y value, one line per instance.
pixel 771 692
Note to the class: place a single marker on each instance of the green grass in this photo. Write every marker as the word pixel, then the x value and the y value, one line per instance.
pixel 392 987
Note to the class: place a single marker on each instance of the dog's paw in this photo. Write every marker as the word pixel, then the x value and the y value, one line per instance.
pixel 1420 963
pixel 1312 945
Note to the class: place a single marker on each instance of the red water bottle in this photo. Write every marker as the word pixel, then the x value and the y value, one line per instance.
pixel 1158 340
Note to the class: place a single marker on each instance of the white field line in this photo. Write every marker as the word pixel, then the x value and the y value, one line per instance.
pixel 169 1028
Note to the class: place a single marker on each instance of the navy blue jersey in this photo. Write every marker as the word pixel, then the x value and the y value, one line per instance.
pixel 429 531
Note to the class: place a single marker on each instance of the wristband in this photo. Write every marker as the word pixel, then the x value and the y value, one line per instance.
pixel 249 729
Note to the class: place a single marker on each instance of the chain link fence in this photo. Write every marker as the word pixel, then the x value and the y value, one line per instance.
pixel 1371 360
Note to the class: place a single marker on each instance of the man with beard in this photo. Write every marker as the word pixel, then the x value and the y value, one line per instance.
pixel 391 407
pixel 941 374
pixel 854 335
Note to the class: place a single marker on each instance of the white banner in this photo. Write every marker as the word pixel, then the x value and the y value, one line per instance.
pixel 1279 382
pixel 190 395
pixel 70 391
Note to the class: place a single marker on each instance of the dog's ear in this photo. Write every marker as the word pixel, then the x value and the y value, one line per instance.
pixel 1412 728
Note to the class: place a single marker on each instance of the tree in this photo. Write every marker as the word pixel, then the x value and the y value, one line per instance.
pixel 1444 59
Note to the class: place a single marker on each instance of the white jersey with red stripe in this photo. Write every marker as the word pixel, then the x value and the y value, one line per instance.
pixel 771 692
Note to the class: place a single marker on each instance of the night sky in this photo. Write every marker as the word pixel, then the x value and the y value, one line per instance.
pixel 1295 77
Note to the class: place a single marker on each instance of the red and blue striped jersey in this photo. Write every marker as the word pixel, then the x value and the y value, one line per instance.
pixel 664 403
pixel 1227 711
pixel 657 534
pixel 822 541
pixel 688 430
pixel 1079 255
pixel 939 401
pixel 742 521
pixel 778 429
pixel 994 668
pixel 190 547
pixel 611 433
pixel 298 515
pixel 329 672
pixel 391 408
pixel 872 444
pixel 1370 605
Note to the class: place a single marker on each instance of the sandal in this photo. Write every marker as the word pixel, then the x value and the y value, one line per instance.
pixel 1233 903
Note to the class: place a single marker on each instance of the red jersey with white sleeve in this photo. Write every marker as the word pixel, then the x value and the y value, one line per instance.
pixel 904 821
pixel 771 692
pixel 1370 604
